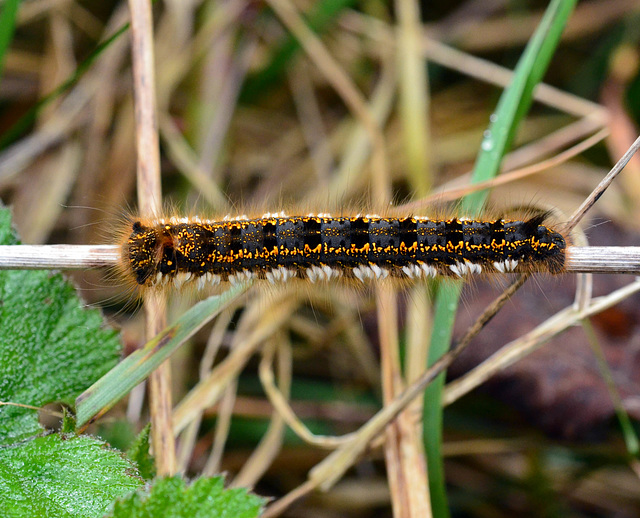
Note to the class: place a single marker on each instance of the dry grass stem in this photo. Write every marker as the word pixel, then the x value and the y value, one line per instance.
pixel 209 390
pixel 392 383
pixel 283 407
pixel 223 426
pixel 604 259
pixel 282 504
pixel 61 257
pixel 149 203
pixel 382 34
pixel 271 443
pixel 325 474
pixel 586 259
pixel 332 468
pixel 190 434
pixel 452 193
pixel 349 177
pixel 343 85
pixel 186 161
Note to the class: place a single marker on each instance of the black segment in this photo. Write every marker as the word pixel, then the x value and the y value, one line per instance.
pixel 221 246
pixel 312 233
pixel 252 245
pixel 497 231
pixel 235 240
pixel 476 233
pixel 432 242
pixel 140 250
pixel 454 233
pixel 168 264
pixel 360 232
pixel 477 240
pixel 408 231
pixel 556 250
pixel 269 245
pixel 432 233
pixel 335 234
pixel 515 231
pixel 518 242
pixel 336 241
pixel 270 238
pixel 290 239
pixel 407 236
pixel 359 225
pixel 383 233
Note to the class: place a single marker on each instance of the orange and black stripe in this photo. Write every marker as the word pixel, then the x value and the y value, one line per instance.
pixel 396 247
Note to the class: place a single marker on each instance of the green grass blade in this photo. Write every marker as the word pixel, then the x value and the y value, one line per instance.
pixel 517 98
pixel 512 107
pixel 446 306
pixel 28 118
pixel 7 28
pixel 626 427
pixel 119 381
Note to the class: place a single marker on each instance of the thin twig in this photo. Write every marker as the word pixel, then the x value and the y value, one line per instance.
pixel 57 257
pixel 491 311
pixel 602 186
pixel 580 259
pixel 604 259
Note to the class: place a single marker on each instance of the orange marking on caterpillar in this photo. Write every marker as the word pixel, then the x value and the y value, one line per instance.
pixel 322 247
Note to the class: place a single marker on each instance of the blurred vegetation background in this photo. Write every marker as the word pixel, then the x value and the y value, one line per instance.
pixel 384 101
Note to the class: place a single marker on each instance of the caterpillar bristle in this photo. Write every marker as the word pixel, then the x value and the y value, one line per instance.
pixel 183 251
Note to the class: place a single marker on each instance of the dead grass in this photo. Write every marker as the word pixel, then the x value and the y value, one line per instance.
pixel 347 120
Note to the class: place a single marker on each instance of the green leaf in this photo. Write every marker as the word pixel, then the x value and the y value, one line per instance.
pixel 139 453
pixel 21 125
pixel 51 346
pixel 204 498
pixel 63 476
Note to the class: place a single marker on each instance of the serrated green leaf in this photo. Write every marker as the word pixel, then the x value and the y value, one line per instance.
pixel 51 346
pixel 204 498
pixel 63 476
pixel 139 453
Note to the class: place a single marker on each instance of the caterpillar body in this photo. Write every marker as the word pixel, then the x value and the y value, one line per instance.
pixel 319 247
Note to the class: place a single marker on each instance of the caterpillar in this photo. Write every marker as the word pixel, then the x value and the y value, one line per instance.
pixel 321 247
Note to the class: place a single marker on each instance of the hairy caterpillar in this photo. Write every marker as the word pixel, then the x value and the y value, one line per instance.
pixel 319 247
